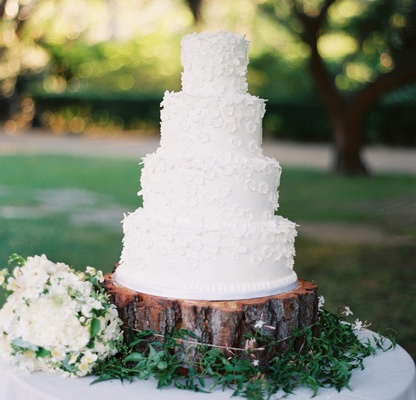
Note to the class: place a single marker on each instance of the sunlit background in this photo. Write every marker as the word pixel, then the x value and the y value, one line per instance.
pixel 78 65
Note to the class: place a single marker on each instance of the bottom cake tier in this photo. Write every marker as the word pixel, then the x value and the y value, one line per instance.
pixel 227 262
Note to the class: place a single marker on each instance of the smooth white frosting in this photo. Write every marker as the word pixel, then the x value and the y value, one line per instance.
pixel 207 228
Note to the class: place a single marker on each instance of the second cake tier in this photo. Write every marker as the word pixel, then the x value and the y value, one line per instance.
pixel 195 126
pixel 216 188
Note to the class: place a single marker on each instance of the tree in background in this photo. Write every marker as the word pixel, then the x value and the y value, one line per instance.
pixel 74 46
pixel 382 36
pixel 357 51
pixel 18 58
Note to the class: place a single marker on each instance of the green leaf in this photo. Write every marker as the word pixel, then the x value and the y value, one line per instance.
pixel 326 360
pixel 134 357
pixel 41 353
pixel 103 378
pixel 19 342
pixel 69 367
pixel 16 259
pixel 95 327
pixel 162 365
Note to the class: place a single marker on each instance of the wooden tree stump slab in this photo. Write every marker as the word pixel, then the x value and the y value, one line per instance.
pixel 218 323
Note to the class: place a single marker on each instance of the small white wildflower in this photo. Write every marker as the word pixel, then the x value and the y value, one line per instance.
pixel 89 357
pixel 359 325
pixel 321 302
pixel 91 271
pixel 263 187
pixel 346 311
pixel 250 344
pixel 259 324
pixel 12 284
pixel 255 363
pixel 81 276
pixel 16 272
pixel 84 368
pixel 100 276
pixel 72 359
pixel 270 327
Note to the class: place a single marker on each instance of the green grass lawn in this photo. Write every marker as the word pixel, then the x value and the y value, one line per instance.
pixel 70 209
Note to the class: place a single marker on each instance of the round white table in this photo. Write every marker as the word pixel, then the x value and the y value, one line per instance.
pixel 387 376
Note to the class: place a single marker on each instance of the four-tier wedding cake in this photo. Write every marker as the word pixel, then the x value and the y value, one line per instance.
pixel 207 229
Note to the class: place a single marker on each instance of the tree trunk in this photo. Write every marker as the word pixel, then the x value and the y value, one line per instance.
pixel 346 112
pixel 221 324
pixel 349 163
pixel 348 132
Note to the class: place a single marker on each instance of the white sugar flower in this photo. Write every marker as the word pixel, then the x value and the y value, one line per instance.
pixel 235 142
pixel 230 126
pixel 204 137
pixel 253 146
pixel 218 202
pixel 252 127
pixel 250 184
pixel 209 174
pixel 224 190
pixel 263 187
pixel 238 211
pixel 256 259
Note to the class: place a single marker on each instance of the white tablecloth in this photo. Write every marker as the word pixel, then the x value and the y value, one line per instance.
pixel 387 376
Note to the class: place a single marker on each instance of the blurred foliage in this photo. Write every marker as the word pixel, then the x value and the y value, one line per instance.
pixel 90 110
pixel 359 40
pixel 105 63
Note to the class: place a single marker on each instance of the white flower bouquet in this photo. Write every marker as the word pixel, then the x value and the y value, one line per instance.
pixel 56 319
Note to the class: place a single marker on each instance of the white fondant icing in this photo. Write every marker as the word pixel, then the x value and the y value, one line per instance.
pixel 214 64
pixel 230 124
pixel 207 229
pixel 233 189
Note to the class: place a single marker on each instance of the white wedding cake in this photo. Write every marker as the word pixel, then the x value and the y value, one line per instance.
pixel 207 229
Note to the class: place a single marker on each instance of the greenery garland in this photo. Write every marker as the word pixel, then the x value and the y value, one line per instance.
pixel 331 351
pixel 322 355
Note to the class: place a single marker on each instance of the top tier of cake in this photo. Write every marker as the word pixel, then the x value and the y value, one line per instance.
pixel 214 64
